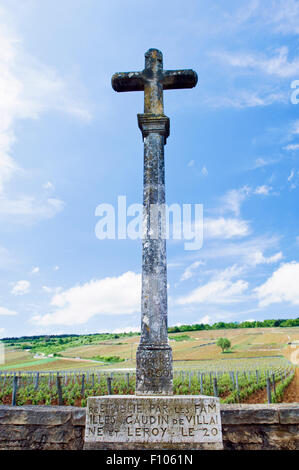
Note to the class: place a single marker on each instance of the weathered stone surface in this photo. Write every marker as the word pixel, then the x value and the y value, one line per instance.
pixel 289 414
pixel 48 415
pixel 236 414
pixel 260 437
pixel 153 420
pixel 238 436
pixel 78 416
pixel 153 80
pixel 154 356
pixel 154 370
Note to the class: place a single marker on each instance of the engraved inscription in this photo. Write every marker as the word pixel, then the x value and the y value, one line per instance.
pixel 153 419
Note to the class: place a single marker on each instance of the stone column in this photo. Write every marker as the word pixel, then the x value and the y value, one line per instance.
pixel 154 355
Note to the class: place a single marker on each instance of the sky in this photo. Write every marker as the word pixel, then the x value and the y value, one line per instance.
pixel 69 143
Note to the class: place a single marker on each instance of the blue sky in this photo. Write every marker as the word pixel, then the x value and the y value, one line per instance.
pixel 68 143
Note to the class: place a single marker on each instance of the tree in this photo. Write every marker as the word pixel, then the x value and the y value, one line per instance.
pixel 223 343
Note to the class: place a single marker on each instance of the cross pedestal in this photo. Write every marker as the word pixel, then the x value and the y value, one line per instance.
pixel 153 418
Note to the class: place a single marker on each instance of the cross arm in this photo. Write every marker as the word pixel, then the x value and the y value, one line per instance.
pixel 174 79
pixel 127 81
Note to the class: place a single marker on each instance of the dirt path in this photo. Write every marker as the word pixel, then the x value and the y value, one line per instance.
pixel 294 358
pixel 291 393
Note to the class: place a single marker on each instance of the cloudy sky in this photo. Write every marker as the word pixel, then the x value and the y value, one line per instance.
pixel 68 143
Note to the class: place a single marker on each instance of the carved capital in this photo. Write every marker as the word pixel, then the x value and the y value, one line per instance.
pixel 152 123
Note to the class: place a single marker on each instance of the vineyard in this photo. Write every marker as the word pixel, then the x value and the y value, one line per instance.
pixel 232 381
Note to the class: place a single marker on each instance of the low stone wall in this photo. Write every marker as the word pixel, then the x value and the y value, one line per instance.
pixel 244 427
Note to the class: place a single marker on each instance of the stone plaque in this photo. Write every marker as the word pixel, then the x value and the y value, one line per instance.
pixel 155 420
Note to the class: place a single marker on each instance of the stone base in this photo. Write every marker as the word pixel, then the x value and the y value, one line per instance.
pixel 128 422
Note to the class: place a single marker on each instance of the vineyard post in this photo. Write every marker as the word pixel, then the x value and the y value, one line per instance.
pixel 59 390
pixel 36 381
pixel 83 386
pixel 201 385
pixel 109 380
pixel 273 380
pixel 232 376
pixel 215 388
pixel 92 380
pixel 268 390
pixel 257 376
pixel 237 385
pixel 14 391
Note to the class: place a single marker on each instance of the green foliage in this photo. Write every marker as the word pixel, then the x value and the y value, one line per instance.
pixel 180 338
pixel 233 325
pixel 223 343
pixel 55 344
pixel 110 359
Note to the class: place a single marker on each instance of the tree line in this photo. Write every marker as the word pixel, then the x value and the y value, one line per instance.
pixel 234 325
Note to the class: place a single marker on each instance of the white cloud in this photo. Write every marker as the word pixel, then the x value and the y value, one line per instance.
pixel 257 257
pixel 28 88
pixel 283 15
pixel 35 270
pixel 220 289
pixel 291 176
pixel 206 320
pixel 127 329
pixel 204 171
pixel 282 286
pixel 6 311
pixel 295 128
pixel 21 288
pixel 291 147
pixel 240 99
pixel 278 65
pixel 189 271
pixel 51 290
pixel 98 297
pixel 225 228
pixel 261 162
pixel 49 186
pixel 215 292
pixel 232 199
pixel 263 190
pixel 56 268
pixel 191 163
pixel 28 209
pixel 241 250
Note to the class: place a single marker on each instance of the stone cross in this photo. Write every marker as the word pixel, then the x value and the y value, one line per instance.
pixel 154 355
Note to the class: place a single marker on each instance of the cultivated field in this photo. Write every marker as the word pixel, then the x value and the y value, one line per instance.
pixel 190 349
pixel 259 366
